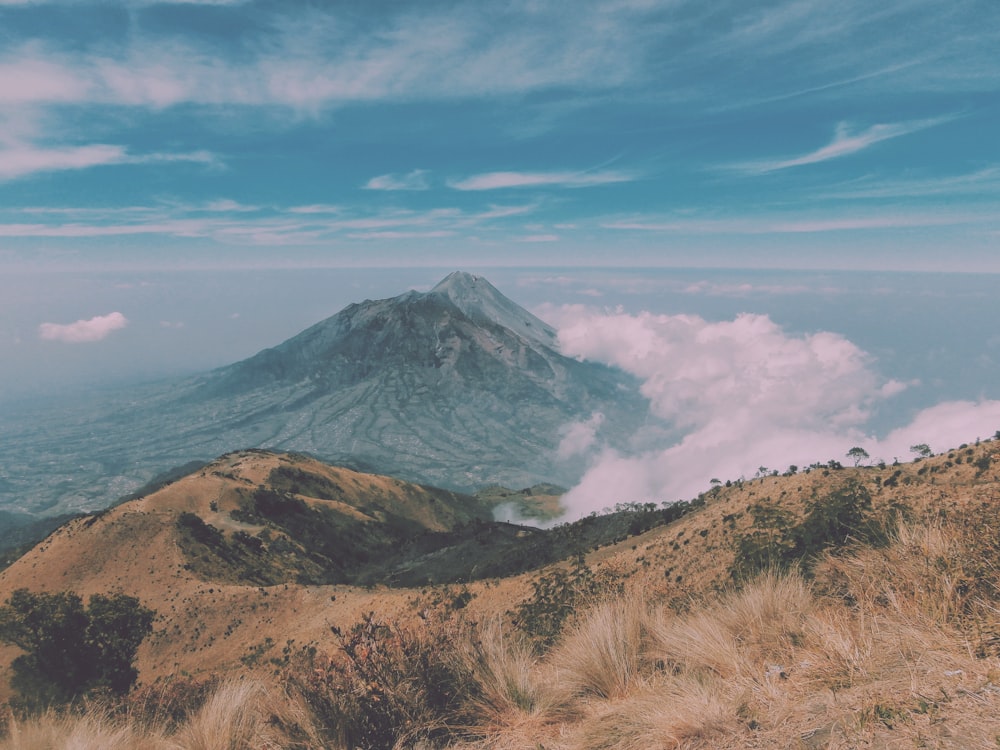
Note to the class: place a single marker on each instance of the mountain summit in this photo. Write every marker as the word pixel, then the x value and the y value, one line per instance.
pixel 457 387
pixel 483 304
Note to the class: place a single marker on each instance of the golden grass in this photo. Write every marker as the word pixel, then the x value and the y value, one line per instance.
pixel 883 648
pixel 602 654
pixel 504 667
pixel 876 654
pixel 95 730
pixel 237 715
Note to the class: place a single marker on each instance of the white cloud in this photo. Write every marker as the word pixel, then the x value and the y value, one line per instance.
pixel 415 180
pixel 944 426
pixel 740 394
pixel 316 208
pixel 503 180
pixel 21 159
pixel 846 141
pixel 227 205
pixel 83 331
pixel 805 223
pixel 578 437
pixel 18 162
pixel 318 57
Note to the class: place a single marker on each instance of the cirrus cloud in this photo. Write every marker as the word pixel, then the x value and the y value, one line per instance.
pixel 503 180
pixel 83 331
pixel 415 180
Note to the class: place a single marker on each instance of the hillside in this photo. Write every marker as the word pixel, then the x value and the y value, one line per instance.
pixel 215 618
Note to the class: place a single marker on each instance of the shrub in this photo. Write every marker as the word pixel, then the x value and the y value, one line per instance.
pixel 70 649
pixel 386 685
pixel 557 596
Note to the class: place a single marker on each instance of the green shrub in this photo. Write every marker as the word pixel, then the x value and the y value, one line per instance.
pixel 557 596
pixel 70 649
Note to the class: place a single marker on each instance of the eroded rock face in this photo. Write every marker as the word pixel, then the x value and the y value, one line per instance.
pixel 457 387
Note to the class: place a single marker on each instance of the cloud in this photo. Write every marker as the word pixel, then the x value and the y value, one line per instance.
pixel 415 180
pixel 845 142
pixel 578 437
pixel 732 396
pixel 981 182
pixel 20 160
pixel 229 222
pixel 227 205
pixel 83 331
pixel 314 57
pixel 805 223
pixel 739 395
pixel 316 208
pixel 506 180
pixel 943 426
pixel 692 367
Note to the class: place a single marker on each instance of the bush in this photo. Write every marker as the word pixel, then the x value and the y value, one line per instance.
pixel 72 650
pixel 387 685
pixel 557 596
pixel 831 522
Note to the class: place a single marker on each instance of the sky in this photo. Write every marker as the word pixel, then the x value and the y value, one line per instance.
pixel 764 134
pixel 783 216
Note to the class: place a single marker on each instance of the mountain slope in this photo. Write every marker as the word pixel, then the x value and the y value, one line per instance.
pixel 457 387
pixel 215 612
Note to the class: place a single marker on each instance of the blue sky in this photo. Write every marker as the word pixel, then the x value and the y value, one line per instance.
pixel 784 134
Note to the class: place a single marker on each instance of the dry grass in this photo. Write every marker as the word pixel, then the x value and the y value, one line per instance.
pixel 504 667
pixel 876 654
pixel 236 716
pixel 95 730
pixel 602 654
pixel 883 648
pixel 243 714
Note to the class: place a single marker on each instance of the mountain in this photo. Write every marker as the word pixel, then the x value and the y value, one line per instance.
pixel 458 387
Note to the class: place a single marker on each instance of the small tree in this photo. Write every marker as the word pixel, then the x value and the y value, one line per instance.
pixel 858 454
pixel 69 649
pixel 921 449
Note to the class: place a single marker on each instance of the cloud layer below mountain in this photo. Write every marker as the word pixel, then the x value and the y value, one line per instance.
pixel 740 396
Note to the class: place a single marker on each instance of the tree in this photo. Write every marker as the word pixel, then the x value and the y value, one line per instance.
pixel 921 449
pixel 71 649
pixel 858 454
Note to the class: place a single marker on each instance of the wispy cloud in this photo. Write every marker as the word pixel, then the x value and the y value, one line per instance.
pixel 415 180
pixel 316 208
pixel 227 221
pixel 802 223
pixel 83 331
pixel 984 182
pixel 20 160
pixel 227 205
pixel 846 141
pixel 321 57
pixel 503 180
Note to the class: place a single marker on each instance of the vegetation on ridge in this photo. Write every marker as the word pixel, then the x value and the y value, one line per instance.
pixel 834 607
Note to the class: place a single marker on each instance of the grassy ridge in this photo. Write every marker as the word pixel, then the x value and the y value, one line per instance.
pixel 842 608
